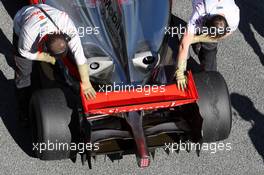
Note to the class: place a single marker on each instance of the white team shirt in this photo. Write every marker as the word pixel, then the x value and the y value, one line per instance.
pixel 31 25
pixel 228 8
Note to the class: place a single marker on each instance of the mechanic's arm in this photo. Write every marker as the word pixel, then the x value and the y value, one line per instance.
pixel 76 48
pixel 182 57
pixel 24 48
pixel 87 87
pixel 204 38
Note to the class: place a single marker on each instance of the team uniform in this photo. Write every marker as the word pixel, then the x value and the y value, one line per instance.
pixel 201 8
pixel 30 27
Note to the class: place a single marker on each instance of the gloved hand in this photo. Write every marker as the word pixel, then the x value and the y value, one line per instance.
pixel 180 76
pixel 43 56
pixel 88 90
pixel 87 87
pixel 181 79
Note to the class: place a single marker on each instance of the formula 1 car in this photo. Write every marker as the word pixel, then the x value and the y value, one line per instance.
pixel 138 106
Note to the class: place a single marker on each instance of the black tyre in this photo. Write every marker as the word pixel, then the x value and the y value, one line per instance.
pixel 50 117
pixel 214 106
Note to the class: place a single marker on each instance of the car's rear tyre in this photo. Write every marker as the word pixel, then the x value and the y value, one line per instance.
pixel 214 106
pixel 50 117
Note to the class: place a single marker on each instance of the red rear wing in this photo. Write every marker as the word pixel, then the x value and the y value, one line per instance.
pixel 128 101
pixel 36 1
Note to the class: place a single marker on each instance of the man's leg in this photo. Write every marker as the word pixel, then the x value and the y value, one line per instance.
pixel 207 56
pixel 23 88
pixel 23 71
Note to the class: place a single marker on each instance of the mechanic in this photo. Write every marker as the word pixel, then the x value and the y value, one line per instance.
pixel 211 21
pixel 43 33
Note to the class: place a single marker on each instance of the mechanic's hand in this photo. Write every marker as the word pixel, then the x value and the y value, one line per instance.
pixel 43 56
pixel 179 74
pixel 88 90
pixel 181 79
pixel 87 87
